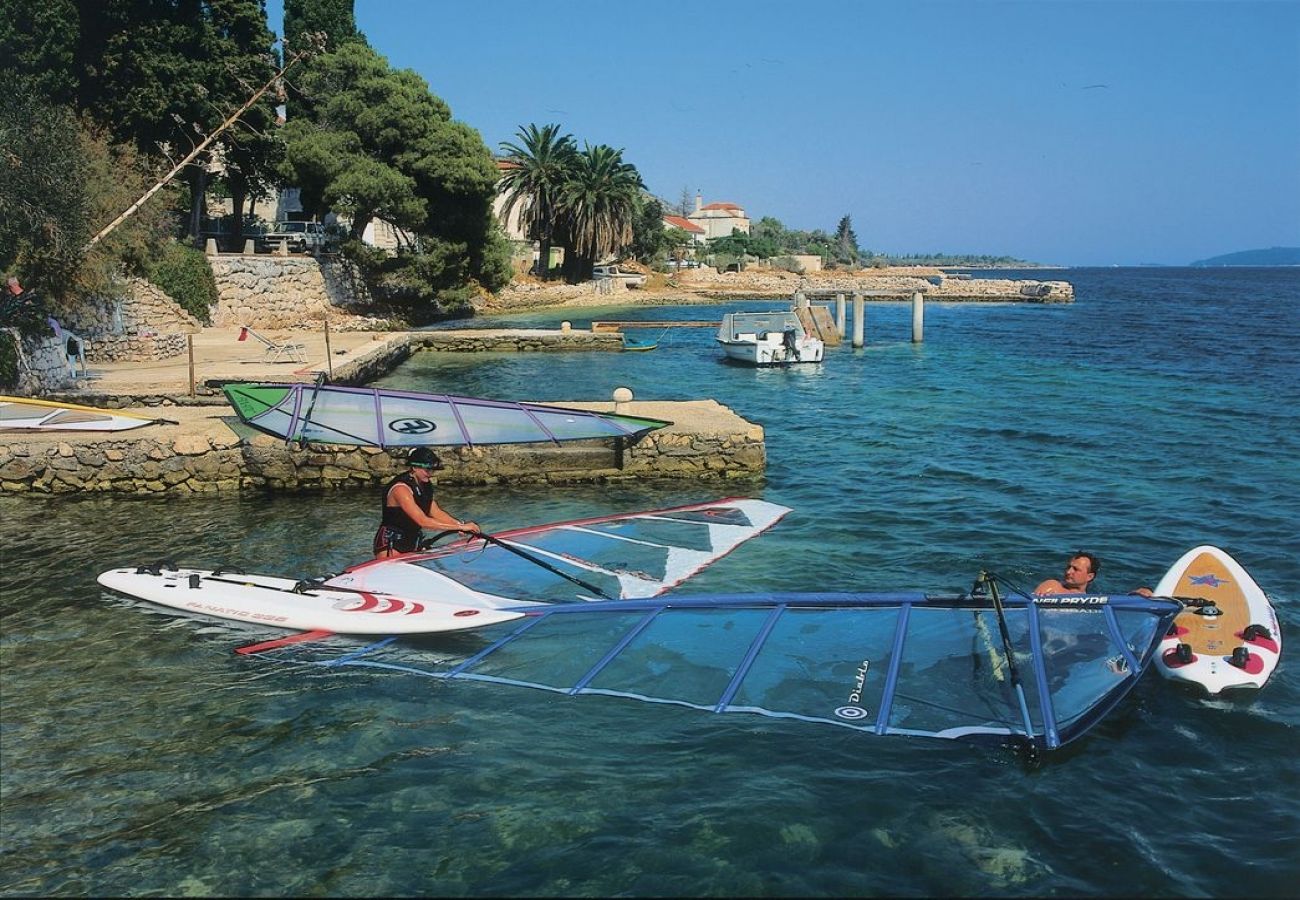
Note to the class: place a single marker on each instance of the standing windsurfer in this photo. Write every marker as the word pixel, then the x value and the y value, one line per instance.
pixel 409 507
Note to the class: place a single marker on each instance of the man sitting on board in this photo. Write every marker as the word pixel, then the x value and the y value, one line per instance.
pixel 408 508
pixel 1080 571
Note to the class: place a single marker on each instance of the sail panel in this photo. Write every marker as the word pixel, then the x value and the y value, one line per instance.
pixel 333 414
pixel 622 556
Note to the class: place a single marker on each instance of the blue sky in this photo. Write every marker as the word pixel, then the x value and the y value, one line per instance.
pixel 1079 133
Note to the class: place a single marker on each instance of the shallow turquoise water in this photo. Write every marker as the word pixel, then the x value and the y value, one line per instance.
pixel 141 757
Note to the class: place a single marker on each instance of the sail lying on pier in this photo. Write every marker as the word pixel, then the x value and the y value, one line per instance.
pixel 883 664
pixel 332 414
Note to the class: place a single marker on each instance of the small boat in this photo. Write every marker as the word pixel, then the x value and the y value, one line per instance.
pixel 638 344
pixel 768 339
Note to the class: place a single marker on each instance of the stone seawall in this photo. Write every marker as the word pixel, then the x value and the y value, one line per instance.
pixel 520 341
pixel 201 454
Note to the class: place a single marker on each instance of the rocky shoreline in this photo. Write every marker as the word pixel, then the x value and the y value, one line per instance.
pixel 702 286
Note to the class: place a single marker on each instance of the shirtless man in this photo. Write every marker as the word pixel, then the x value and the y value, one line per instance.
pixel 1081 569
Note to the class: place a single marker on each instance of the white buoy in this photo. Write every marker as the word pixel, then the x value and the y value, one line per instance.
pixel 565 326
pixel 918 317
pixel 859 319
pixel 622 397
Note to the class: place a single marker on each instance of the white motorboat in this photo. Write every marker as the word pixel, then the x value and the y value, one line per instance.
pixel 768 339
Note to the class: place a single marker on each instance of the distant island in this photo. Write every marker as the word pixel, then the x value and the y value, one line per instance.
pixel 1273 256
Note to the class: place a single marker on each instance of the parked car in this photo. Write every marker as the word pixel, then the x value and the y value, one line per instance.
pixel 614 273
pixel 297 237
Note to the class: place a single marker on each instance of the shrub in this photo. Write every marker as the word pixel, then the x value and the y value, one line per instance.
pixel 8 360
pixel 185 275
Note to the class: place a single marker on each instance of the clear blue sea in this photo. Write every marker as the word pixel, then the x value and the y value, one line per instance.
pixel 1161 410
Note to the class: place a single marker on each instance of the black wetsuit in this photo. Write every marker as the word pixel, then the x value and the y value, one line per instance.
pixel 397 531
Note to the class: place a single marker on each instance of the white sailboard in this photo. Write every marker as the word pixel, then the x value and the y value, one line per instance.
pixel 1228 635
pixel 26 414
pixel 473 583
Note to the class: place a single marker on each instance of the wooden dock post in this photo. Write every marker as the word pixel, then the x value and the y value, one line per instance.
pixel 329 358
pixel 918 317
pixel 189 342
pixel 840 322
pixel 859 319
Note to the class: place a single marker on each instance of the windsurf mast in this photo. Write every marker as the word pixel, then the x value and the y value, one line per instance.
pixel 987 580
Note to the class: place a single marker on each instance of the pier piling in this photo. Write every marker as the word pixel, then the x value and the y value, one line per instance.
pixel 918 317
pixel 859 319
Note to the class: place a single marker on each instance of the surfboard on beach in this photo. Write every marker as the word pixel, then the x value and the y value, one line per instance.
pixel 1229 637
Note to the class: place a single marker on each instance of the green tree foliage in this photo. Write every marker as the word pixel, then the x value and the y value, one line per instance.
pixel 650 240
pixel 116 176
pixel 40 42
pixel 57 177
pixel 43 202
pixel 335 19
pixel 238 39
pixel 158 74
pixel 376 145
pixel 184 274
pixel 739 246
pixel 846 243
pixel 597 207
pixel 537 169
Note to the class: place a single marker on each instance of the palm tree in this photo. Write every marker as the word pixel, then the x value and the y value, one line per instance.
pixel 598 205
pixel 538 170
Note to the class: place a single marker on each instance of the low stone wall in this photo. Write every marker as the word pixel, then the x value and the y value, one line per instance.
pixel 201 455
pixel 522 341
pixel 143 324
pixel 284 292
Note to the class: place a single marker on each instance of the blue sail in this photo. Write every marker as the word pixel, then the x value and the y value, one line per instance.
pixel 883 664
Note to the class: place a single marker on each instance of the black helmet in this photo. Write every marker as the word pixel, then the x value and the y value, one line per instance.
pixel 424 458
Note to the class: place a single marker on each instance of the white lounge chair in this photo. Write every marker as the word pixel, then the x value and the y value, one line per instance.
pixel 275 351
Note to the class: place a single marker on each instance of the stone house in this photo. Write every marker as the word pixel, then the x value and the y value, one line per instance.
pixel 718 219
pixel 696 233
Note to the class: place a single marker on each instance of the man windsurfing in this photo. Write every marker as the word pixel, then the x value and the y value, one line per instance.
pixel 408 508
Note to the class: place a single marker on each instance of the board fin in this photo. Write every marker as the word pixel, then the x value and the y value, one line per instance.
pixel 248 649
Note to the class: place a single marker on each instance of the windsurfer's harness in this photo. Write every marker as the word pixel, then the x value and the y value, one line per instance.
pixel 397 531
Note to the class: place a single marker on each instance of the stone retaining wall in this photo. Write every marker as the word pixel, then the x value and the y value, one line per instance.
pixel 42 364
pixel 285 292
pixel 213 460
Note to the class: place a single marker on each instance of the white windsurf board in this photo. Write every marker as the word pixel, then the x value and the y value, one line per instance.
pixel 1233 642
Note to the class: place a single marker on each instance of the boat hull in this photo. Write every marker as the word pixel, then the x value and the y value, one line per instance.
pixel 774 351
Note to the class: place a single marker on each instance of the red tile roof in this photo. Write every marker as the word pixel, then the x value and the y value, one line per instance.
pixel 722 206
pixel 684 224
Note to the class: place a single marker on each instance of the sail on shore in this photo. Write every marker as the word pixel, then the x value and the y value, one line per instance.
pixel 332 414
pixel 26 414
